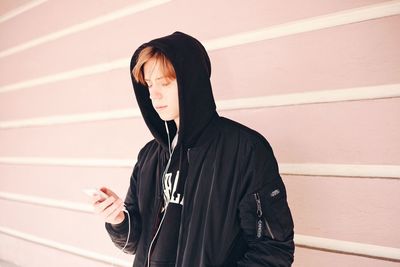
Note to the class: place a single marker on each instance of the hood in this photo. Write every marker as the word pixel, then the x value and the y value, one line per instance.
pixel 196 101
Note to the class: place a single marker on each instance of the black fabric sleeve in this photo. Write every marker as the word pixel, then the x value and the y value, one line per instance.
pixel 119 233
pixel 264 213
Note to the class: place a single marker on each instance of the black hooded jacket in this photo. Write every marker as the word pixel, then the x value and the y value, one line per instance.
pixel 235 211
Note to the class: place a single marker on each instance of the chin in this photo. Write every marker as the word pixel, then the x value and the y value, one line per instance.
pixel 165 118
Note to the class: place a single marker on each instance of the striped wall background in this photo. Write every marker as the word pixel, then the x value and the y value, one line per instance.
pixel 319 79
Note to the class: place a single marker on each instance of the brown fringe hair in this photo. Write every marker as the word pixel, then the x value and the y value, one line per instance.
pixel 145 55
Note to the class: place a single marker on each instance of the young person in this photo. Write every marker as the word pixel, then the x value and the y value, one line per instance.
pixel 207 190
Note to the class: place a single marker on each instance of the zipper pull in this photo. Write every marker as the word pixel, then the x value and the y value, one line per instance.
pixel 188 155
pixel 258 201
pixel 259 222
pixel 269 229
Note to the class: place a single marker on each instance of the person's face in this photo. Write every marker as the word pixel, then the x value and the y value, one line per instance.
pixel 163 92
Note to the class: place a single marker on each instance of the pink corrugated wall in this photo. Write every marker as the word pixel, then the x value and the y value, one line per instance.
pixel 67 118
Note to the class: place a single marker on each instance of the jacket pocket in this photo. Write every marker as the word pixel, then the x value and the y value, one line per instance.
pixel 274 219
pixel 263 227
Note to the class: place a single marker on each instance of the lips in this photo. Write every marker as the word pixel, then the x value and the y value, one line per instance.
pixel 160 107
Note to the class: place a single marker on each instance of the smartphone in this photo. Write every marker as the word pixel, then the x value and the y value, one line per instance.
pixel 93 192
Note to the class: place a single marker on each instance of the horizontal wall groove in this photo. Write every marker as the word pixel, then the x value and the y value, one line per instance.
pixel 75 118
pixel 303 98
pixel 346 247
pixel 21 9
pixel 100 257
pixel 47 202
pixel 297 169
pixel 300 26
pixel 127 11
pixel 335 19
pixel 67 75
pixel 312 242
pixel 69 162
pixel 313 97
pixel 341 170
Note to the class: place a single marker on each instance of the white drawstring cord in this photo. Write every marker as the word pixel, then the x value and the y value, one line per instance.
pixel 169 140
pixel 129 228
pixel 129 233
pixel 171 151
pixel 126 211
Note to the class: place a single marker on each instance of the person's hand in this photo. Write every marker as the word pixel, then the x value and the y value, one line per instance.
pixel 110 208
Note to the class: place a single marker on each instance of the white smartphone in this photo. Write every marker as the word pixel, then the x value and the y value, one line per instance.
pixel 93 192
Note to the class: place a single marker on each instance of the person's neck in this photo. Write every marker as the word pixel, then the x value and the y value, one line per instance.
pixel 177 124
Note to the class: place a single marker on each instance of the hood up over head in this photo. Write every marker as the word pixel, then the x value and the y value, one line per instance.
pixel 196 102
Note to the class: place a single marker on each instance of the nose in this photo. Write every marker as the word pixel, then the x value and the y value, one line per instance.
pixel 155 92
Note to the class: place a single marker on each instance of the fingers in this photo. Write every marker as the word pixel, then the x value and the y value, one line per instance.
pixel 110 209
pixel 100 206
pixel 96 198
pixel 108 192
pixel 117 215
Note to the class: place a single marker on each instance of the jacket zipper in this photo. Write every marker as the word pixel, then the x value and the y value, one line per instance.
pixel 158 209
pixel 155 236
pixel 181 227
pixel 259 219
pixel 269 229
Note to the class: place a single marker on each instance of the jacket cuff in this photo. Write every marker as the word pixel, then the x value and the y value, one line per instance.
pixel 118 228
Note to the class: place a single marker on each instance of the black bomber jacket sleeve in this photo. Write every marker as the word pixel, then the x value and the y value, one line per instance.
pixel 119 233
pixel 264 213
